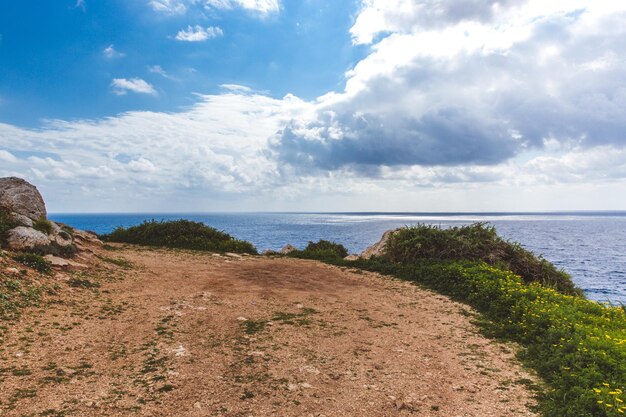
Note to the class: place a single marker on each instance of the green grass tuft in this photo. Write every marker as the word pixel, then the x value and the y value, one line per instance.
pixel 182 234
pixel 43 225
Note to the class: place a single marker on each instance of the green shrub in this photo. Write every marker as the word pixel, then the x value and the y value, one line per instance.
pixel 32 260
pixel 476 242
pixel 322 250
pixel 43 225
pixel 183 234
pixel 6 224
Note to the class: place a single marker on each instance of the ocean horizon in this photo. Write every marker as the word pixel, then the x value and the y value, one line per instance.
pixel 589 245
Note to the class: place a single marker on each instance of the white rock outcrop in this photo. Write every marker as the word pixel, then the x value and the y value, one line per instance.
pixel 378 248
pixel 24 238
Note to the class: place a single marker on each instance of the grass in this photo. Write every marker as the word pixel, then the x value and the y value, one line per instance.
pixel 34 261
pixel 6 224
pixel 16 294
pixel 181 234
pixel 43 225
pixel 576 345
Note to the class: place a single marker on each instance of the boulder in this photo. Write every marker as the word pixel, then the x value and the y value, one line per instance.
pixel 25 238
pixel 21 197
pixel 378 248
pixel 21 220
pixel 287 249
pixel 351 257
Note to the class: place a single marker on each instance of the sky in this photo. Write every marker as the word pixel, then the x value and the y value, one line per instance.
pixel 311 105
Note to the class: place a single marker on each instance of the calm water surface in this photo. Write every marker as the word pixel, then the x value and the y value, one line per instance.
pixel 589 246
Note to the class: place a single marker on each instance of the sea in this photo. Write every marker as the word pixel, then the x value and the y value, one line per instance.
pixel 590 246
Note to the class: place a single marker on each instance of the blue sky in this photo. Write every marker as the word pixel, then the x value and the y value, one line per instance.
pixel 311 105
pixel 54 65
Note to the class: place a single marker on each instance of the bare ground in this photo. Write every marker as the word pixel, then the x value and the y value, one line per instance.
pixel 192 334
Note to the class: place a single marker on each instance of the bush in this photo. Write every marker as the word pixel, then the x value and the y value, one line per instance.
pixel 34 261
pixel 477 242
pixel 43 225
pixel 183 234
pixel 322 250
pixel 6 224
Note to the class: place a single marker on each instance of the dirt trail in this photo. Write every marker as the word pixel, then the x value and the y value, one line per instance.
pixel 190 334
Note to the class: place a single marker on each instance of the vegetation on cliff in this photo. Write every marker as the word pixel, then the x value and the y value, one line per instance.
pixel 181 234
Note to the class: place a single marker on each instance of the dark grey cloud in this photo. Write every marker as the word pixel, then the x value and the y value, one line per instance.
pixel 565 81
pixel 450 136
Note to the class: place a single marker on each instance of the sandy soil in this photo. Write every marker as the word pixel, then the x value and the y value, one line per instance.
pixel 188 334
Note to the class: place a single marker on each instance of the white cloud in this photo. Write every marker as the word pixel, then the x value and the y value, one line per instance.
pixel 236 88
pixel 449 85
pixel 262 7
pixel 198 34
pixel 168 6
pixel 121 86
pixel 111 53
pixel 80 4
pixel 7 156
pixel 217 147
pixel 157 69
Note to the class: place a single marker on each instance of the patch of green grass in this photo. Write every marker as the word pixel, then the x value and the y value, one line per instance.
pixel 16 294
pixel 252 326
pixel 43 225
pixel 6 224
pixel 82 283
pixel 124 263
pixel 34 261
pixel 181 234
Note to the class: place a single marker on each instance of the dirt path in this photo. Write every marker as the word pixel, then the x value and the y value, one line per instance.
pixel 189 334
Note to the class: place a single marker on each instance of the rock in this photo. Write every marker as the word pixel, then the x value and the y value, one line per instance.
pixel 24 238
pixel 86 236
pixel 21 197
pixel 12 270
pixel 352 257
pixel 21 220
pixel 269 252
pixel 287 249
pixel 63 239
pixel 60 262
pixel 378 248
pixel 56 261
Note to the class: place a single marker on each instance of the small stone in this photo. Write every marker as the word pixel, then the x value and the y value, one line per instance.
pixel 197 405
pixel 242 319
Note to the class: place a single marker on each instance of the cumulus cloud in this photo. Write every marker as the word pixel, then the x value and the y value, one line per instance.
pixel 111 53
pixel 444 85
pixel 198 34
pixel 216 147
pixel 121 86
